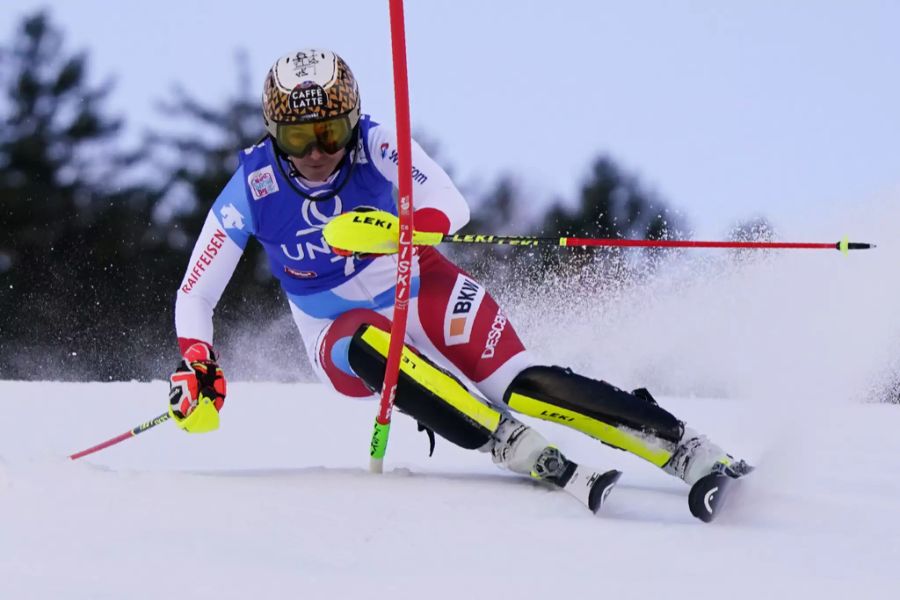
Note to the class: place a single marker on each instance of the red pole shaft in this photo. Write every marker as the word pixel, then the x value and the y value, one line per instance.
pixel 689 244
pixel 121 438
pixel 106 444
pixel 405 213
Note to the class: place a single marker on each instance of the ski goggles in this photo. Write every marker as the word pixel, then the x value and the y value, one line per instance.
pixel 329 136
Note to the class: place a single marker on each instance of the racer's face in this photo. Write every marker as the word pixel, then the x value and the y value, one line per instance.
pixel 317 165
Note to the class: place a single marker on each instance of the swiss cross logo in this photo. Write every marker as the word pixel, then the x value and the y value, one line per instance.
pixel 232 217
pixel 262 182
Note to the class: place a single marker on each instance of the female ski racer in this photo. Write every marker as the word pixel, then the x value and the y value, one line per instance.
pixel 321 158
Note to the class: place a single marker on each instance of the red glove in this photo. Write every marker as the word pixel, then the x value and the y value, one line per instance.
pixel 431 219
pixel 197 378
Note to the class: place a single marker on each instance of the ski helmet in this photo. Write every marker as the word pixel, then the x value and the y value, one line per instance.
pixel 310 98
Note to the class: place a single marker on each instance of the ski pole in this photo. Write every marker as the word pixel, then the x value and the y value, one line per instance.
pixel 121 438
pixel 432 239
pixel 375 232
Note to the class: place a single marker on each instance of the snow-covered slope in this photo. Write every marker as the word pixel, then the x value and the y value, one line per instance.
pixel 278 504
pixel 778 358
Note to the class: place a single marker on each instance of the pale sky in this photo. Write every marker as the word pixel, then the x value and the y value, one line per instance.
pixel 728 110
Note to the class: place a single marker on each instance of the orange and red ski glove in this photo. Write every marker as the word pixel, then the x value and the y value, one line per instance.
pixel 197 390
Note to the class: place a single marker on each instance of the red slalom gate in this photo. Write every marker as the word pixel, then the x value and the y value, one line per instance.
pixel 382 428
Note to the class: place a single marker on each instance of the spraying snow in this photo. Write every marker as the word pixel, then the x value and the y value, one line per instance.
pixel 774 327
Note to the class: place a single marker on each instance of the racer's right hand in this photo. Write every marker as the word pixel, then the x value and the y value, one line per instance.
pixel 197 390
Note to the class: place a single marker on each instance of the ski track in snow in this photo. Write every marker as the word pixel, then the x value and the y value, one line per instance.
pixel 775 358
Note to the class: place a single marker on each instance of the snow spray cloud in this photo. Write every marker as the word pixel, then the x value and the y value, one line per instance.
pixel 782 327
pixel 266 347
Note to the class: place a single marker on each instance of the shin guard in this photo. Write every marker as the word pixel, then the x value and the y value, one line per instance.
pixel 425 392
pixel 631 422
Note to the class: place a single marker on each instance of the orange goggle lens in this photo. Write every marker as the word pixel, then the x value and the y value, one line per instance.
pixel 329 136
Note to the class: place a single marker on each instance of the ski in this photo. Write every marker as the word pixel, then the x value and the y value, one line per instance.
pixel 590 487
pixel 710 493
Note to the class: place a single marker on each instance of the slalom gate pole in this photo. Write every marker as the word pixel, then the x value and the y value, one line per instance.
pixel 382 429
pixel 121 438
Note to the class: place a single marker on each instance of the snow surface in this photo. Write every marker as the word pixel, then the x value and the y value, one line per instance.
pixel 279 504
pixel 779 357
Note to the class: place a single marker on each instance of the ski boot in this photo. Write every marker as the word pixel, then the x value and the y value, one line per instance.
pixel 709 470
pixel 523 450
pixel 696 456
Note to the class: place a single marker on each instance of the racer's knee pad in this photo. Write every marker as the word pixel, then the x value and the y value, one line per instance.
pixel 425 392
pixel 629 421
